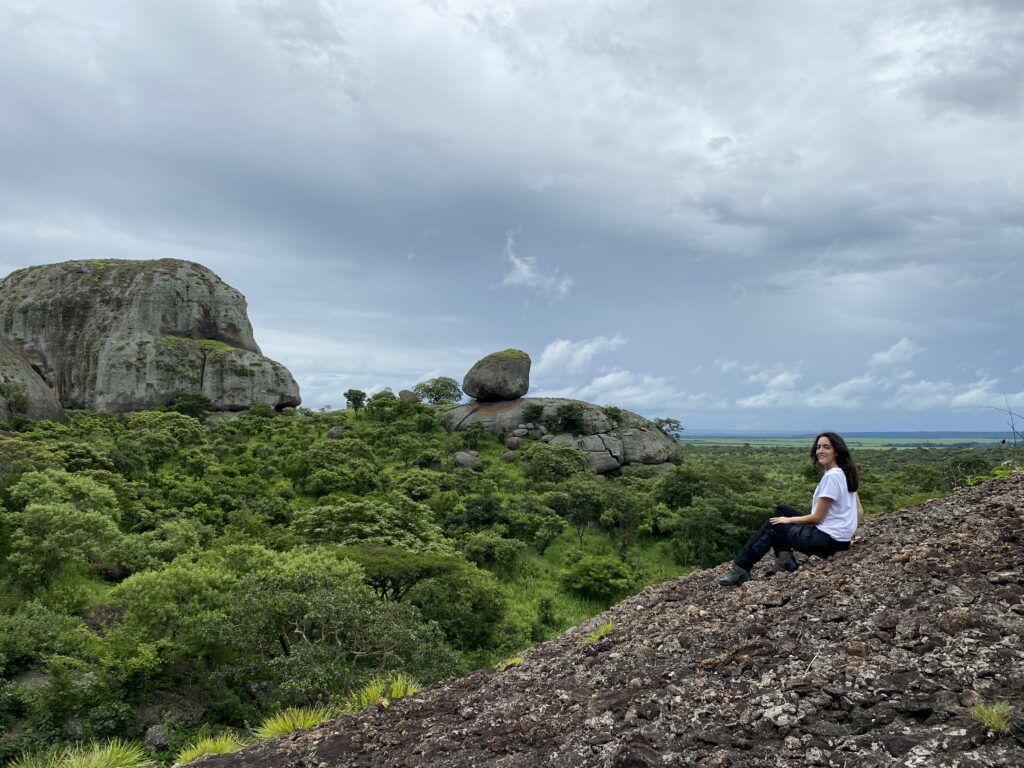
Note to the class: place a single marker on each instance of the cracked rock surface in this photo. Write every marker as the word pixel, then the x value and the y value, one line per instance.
pixel 116 335
pixel 870 658
pixel 607 445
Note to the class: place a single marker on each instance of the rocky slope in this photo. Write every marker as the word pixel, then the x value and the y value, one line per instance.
pixel 128 335
pixel 871 658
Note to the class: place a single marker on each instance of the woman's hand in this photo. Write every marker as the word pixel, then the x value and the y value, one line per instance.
pixel 777 520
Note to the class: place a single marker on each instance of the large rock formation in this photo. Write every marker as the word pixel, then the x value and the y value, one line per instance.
pixel 629 439
pixel 499 376
pixel 871 658
pixel 23 391
pixel 128 335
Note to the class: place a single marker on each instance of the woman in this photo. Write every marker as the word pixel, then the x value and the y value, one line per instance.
pixel 835 514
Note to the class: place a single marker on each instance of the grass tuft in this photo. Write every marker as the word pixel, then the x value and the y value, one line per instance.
pixel 294 719
pixel 223 744
pixel 603 631
pixel 995 717
pixel 504 664
pixel 116 753
pixel 49 759
pixel 382 690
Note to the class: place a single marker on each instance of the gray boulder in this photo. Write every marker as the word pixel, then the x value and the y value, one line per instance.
pixel 157 738
pixel 499 376
pixel 129 335
pixel 408 396
pixel 467 460
pixel 508 457
pixel 630 439
pixel 23 391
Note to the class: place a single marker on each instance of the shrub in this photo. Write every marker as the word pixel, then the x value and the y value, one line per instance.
pixel 599 577
pixel 294 719
pixel 381 690
pixel 532 413
pixel 223 744
pixel 568 418
pixel 194 404
pixel 614 414
pixel 995 717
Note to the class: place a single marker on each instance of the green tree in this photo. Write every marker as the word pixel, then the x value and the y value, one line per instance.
pixel 543 463
pixel 396 522
pixel 440 390
pixel 355 398
pixel 585 503
pixel 625 514
pixel 598 577
pixel 393 571
pixel 192 403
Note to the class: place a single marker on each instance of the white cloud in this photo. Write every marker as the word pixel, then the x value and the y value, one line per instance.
pixel 775 381
pixel 527 273
pixel 640 391
pixel 903 351
pixel 925 395
pixel 780 393
pixel 565 356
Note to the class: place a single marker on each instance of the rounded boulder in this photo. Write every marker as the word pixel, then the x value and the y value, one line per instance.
pixel 499 376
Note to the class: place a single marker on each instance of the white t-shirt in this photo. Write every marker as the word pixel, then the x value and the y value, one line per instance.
pixel 841 521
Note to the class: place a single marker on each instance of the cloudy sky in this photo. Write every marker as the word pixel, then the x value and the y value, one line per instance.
pixel 779 215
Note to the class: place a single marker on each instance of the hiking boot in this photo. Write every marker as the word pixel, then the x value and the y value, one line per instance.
pixel 784 563
pixel 734 577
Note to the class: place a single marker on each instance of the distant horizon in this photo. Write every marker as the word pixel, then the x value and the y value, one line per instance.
pixel 866 433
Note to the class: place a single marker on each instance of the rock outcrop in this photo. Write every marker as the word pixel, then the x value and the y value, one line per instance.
pixel 871 658
pixel 629 439
pixel 499 376
pixel 129 335
pixel 23 391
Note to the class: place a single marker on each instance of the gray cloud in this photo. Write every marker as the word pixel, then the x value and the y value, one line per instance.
pixel 712 184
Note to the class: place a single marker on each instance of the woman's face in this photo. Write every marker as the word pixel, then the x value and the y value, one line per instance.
pixel 825 453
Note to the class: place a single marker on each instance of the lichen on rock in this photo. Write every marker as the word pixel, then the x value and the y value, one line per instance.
pixel 118 335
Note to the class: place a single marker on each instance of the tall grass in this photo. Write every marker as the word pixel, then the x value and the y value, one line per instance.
pixel 116 753
pixel 222 744
pixel 294 719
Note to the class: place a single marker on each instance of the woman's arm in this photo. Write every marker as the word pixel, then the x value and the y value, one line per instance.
pixel 860 511
pixel 819 514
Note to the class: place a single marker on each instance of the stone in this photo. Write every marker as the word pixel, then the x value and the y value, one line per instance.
pixel 156 738
pixel 23 391
pixel 337 431
pixel 408 396
pixel 513 442
pixel 632 440
pixel 467 460
pixel 123 336
pixel 499 376
pixel 508 457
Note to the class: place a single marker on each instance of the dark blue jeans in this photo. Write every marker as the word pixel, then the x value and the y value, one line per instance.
pixel 787 536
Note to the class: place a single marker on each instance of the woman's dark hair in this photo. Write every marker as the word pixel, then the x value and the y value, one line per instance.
pixel 843 459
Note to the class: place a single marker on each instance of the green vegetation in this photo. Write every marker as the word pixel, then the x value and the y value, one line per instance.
pixel 995 717
pixel 294 719
pixel 221 744
pixel 598 634
pixel 157 570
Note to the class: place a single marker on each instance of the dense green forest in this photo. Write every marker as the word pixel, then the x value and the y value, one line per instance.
pixel 154 569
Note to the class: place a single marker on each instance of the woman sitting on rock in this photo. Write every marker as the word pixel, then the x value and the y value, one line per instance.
pixel 835 514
